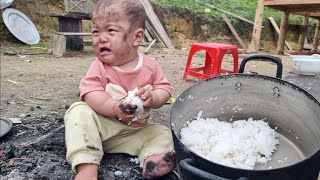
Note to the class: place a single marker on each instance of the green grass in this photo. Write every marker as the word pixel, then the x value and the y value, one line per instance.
pixel 242 8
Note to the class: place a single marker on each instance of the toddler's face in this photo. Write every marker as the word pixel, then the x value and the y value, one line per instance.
pixel 111 40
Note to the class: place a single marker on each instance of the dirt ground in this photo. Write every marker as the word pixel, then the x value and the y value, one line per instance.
pixel 38 89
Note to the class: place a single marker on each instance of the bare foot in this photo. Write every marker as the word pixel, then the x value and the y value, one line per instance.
pixel 158 165
pixel 87 172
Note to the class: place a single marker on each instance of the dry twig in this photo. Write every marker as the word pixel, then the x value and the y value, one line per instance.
pixel 13 82
pixel 42 98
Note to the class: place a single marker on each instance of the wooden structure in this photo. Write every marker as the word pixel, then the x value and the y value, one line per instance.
pixel 154 26
pixel 307 8
pixel 71 22
pixel 233 30
pixel 60 41
pixel 69 34
pixel 83 6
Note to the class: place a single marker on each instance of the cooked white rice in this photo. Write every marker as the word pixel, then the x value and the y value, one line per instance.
pixel 134 100
pixel 240 144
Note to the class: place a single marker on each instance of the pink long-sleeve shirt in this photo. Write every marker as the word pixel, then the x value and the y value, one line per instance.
pixel 100 74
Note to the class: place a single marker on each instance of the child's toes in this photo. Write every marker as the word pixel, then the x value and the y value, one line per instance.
pixel 159 165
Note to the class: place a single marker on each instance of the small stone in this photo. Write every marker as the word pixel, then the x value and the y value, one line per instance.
pixel 66 106
pixel 22 115
pixel 118 173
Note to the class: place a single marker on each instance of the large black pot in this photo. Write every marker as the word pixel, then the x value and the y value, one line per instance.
pixel 294 112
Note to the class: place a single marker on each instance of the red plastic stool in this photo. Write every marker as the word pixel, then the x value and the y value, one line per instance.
pixel 213 61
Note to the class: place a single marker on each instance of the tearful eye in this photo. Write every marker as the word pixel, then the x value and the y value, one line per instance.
pixel 95 32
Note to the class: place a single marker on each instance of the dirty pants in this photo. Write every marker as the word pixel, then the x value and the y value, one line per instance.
pixel 88 135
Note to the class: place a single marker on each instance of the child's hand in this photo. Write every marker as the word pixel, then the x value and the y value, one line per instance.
pixel 128 108
pixel 124 112
pixel 146 96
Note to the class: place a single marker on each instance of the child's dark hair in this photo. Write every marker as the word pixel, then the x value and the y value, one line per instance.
pixel 132 8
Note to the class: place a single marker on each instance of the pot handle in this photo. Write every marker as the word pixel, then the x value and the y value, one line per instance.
pixel 263 58
pixel 187 165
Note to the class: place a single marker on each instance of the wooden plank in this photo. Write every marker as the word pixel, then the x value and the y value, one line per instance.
pixel 301 7
pixel 276 28
pixel 313 11
pixel 153 34
pixel 301 52
pixel 291 2
pixel 256 34
pixel 156 25
pixel 73 15
pixel 74 33
pixel 282 34
pixel 147 35
pixel 234 32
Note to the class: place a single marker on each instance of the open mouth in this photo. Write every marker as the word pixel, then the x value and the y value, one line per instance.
pixel 104 50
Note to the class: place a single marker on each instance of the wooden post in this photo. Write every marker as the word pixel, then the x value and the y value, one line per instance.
pixel 303 35
pixel 59 44
pixel 66 24
pixel 276 28
pixel 282 35
pixel 316 38
pixel 256 34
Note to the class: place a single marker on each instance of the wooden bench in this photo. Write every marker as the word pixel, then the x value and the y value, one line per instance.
pixel 60 41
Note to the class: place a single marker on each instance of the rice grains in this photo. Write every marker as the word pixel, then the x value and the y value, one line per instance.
pixel 240 144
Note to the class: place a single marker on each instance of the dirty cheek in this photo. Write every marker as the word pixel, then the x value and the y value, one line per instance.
pixel 125 45
pixel 125 36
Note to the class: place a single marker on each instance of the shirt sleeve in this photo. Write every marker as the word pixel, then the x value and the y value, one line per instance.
pixel 93 81
pixel 160 81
